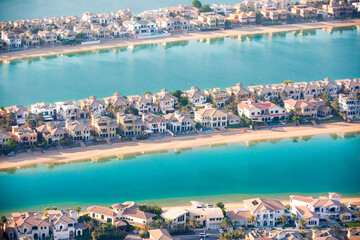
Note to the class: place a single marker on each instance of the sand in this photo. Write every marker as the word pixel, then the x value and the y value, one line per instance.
pixel 114 43
pixel 147 146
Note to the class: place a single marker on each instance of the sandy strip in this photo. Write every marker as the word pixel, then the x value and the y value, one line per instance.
pixel 114 43
pixel 230 206
pixel 119 149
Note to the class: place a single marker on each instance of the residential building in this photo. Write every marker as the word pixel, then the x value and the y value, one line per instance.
pixel 4 138
pixel 141 27
pixel 20 113
pixel 30 225
pixel 171 24
pixel 353 233
pixel 195 96
pixel 353 86
pixel 269 92
pixel 78 131
pixel 24 135
pixel 210 20
pixel 51 133
pixel 238 91
pixel 104 127
pixel 178 122
pixel 208 216
pixel 152 15
pixel 165 101
pixel 130 125
pixel 159 234
pixel 349 105
pixel 117 30
pixel 266 211
pixel 218 96
pixel 311 108
pixel 316 209
pixel 47 37
pixel 304 11
pixel 232 119
pixel 222 9
pixel 126 211
pixel 242 216
pixel 64 224
pixel 211 118
pixel 154 124
pixel 118 102
pixel 143 103
pixel 338 9
pixel 11 39
pixel 48 111
pixel 93 106
pixel 262 112
pixel 260 234
pixel 184 11
pixel 68 111
pixel 177 215
pixel 325 235
pixel 288 235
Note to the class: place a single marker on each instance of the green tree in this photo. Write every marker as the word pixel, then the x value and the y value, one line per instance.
pixel 226 223
pixel 176 93
pixel 3 219
pixel 80 36
pixel 198 126
pixel 283 220
pixel 84 218
pixel 196 3
pixel 259 17
pixel 302 222
pixel 147 92
pixel 287 82
pixel 206 8
pixel 220 205
pixel 252 219
pixel 193 223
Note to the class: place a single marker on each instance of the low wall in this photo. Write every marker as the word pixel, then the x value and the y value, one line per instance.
pixel 90 42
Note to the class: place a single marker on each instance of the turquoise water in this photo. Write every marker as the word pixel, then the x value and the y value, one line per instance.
pixel 311 165
pixel 19 9
pixel 261 59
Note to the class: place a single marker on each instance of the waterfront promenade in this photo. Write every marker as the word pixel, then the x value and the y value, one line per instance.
pixel 148 146
pixel 118 43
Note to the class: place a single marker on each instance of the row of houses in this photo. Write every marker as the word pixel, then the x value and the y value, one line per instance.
pixel 54 224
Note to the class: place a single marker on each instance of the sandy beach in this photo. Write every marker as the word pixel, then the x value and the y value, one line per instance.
pixel 120 149
pixel 117 43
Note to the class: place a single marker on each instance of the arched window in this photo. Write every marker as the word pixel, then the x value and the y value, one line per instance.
pixel 102 216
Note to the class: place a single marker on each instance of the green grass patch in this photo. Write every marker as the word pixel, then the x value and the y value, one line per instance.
pixel 351 224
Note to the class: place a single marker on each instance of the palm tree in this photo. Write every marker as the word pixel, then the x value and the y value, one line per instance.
pixel 343 218
pixel 226 223
pixel 294 217
pixel 335 228
pixel 193 223
pixel 358 216
pixel 252 219
pixel 147 226
pixel 235 223
pixel 158 223
pixel 241 232
pixel 169 224
pixel 302 222
pixel 283 220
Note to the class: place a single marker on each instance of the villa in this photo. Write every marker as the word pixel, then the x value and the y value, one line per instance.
pixel 241 215
pixel 140 27
pixel 64 224
pixel 130 125
pixel 24 135
pixel 154 124
pixel 20 113
pixel 51 133
pixel 48 37
pixel 262 112
pixel 94 106
pixel 104 127
pixel 178 122
pixel 353 234
pixel 306 12
pixel 208 216
pixel 349 105
pixel 177 215
pixel 211 118
pixel 78 130
pixel 30 225
pixel 117 101
pixel 195 96
pixel 69 111
pixel 325 235
pixel 223 9
pixel 352 86
pixel 266 211
pixel 260 235
pixel 218 96
pixel 165 100
pixel 316 209
pixel 48 111
pixel 269 92
pixel 172 24
pixel 4 138
pixel 311 108
pixel 159 234
pixel 11 39
pixel 184 11
pixel 238 91
pixel 143 103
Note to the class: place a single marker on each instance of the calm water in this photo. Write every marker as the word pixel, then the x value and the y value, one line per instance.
pixel 262 59
pixel 311 165
pixel 19 9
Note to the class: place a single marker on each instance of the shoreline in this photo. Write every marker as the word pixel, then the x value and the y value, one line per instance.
pixel 134 148
pixel 119 43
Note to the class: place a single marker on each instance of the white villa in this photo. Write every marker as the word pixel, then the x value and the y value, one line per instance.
pixel 178 122
pixel 178 215
pixel 195 96
pixel 266 211
pixel 349 105
pixel 30 225
pixel 143 103
pixel 140 27
pixel 165 100
pixel 65 224
pixel 47 110
pixel 154 124
pixel 211 118
pixel 208 216
pixel 262 112
pixel 20 113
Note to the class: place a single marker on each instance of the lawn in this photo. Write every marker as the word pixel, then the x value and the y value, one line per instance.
pixel 351 224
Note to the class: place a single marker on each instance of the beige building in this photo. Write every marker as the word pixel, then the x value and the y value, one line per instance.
pixel 104 127
pixel 47 37
pixel 95 107
pixel 4 137
pixel 218 96
pixel 304 11
pixel 30 225
pixel 51 133
pixel 118 102
pixel 159 234
pixel 238 91
pixel 78 130
pixel 211 118
pixel 24 135
pixel 311 108
pixel 130 125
